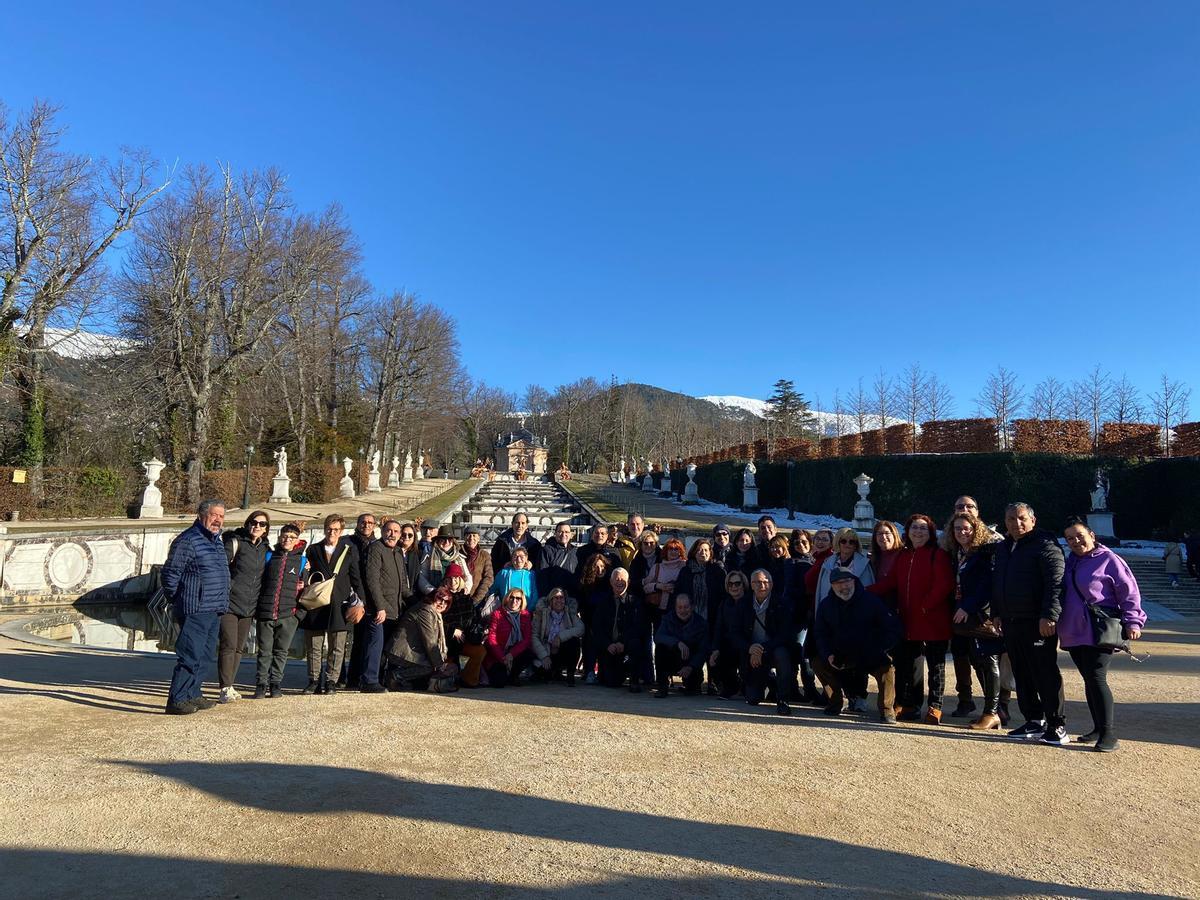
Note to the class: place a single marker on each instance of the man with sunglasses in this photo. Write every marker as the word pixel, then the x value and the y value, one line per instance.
pixel 246 549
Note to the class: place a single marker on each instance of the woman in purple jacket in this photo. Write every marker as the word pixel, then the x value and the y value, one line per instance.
pixel 1096 576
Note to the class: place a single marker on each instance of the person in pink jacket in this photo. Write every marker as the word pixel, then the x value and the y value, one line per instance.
pixel 1095 576
pixel 509 641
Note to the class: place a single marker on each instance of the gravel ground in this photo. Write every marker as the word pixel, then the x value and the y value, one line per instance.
pixel 551 791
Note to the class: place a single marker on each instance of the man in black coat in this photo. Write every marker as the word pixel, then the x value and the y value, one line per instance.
pixel 510 539
pixel 1027 584
pixel 853 637
pixel 387 583
pixel 681 647
pixel 598 545
pixel 560 563
pixel 764 636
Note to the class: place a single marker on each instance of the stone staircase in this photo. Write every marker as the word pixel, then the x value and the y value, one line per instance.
pixel 1156 586
pixel 546 504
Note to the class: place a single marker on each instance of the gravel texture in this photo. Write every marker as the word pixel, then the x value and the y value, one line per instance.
pixel 552 791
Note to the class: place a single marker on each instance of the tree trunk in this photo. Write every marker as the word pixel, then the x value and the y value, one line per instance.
pixel 197 442
pixel 31 389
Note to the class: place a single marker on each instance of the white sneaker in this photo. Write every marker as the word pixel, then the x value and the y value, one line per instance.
pixel 228 695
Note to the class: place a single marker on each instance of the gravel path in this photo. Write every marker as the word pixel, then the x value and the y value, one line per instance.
pixel 587 792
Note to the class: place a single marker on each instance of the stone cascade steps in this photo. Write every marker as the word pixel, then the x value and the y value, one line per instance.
pixel 546 504
pixel 1155 585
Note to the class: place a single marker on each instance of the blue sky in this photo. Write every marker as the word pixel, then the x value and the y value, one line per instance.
pixel 702 196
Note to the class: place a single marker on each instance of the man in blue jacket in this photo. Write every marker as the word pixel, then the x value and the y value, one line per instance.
pixel 196 578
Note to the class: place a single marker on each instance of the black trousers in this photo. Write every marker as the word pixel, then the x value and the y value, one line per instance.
pixel 1034 662
pixel 1092 663
pixel 725 673
pixel 566 658
pixel 231 641
pixel 960 652
pixel 754 681
pixel 668 662
pixel 911 659
pixel 500 675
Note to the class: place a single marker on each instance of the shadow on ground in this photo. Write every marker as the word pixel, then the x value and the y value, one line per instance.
pixel 327 790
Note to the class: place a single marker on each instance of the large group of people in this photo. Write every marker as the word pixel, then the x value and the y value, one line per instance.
pixel 810 616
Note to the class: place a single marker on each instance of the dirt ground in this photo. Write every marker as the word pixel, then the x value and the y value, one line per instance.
pixel 551 791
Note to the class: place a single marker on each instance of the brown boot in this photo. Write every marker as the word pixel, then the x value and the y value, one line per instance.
pixel 986 722
pixel 933 716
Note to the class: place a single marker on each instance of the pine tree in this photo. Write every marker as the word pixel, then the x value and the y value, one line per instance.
pixel 787 410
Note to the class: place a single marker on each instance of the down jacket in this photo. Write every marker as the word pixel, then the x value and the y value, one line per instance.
pixel 1027 577
pixel 283 580
pixel 499 631
pixel 572 627
pixel 196 573
pixel 247 558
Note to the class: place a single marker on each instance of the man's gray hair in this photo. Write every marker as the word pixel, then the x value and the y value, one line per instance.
pixel 763 572
pixel 207 506
pixel 1018 506
pixel 633 515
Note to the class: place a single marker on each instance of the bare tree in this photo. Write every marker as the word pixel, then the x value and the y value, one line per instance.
pixel 1091 397
pixel 912 393
pixel 1001 398
pixel 60 214
pixel 839 414
pixel 481 409
pixel 860 408
pixel 1170 404
pixel 883 397
pixel 1124 402
pixel 213 267
pixel 1049 399
pixel 939 402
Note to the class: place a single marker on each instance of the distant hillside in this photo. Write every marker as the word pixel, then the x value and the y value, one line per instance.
pixel 826 422
pixel 702 408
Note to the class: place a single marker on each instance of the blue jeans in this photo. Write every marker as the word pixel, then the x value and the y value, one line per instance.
pixel 195 647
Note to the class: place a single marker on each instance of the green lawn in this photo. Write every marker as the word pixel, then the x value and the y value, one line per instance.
pixel 442 502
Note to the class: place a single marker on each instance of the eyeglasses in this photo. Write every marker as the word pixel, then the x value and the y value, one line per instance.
pixel 289 537
pixel 917 526
pixel 258 524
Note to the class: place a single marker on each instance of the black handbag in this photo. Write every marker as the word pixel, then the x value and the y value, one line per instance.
pixel 976 626
pixel 1107 631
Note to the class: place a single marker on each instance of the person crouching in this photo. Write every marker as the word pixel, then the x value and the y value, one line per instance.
pixel 854 635
pixel 557 632
pixel 680 647
pixel 278 615
pixel 418 655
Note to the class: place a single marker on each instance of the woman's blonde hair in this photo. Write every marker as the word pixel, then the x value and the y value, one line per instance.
pixel 847 533
pixel 524 599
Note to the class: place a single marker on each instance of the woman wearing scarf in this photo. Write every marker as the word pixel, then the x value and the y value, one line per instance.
pixel 704 582
pixel 509 640
pixel 442 554
pixel 557 631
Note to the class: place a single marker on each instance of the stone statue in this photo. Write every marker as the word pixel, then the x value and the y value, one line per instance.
pixel 281 457
pixel 691 493
pixel 348 465
pixel 1100 492
pixel 375 462
pixel 748 475
pixel 281 485
pixel 864 510
pixel 346 485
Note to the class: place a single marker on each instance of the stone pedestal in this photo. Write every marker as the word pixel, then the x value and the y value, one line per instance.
pixel 281 489
pixel 864 515
pixel 394 478
pixel 1102 524
pixel 373 483
pixel 648 483
pixel 419 472
pixel 346 487
pixel 407 474
pixel 691 494
pixel 750 499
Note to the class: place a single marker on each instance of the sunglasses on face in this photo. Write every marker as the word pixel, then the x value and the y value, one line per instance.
pixel 257 524
pixel 848 541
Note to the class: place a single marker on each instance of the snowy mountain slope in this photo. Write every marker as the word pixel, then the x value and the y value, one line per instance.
pixel 826 421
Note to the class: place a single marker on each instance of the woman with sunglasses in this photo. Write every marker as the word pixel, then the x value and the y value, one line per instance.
pixel 723 661
pixel 509 641
pixel 246 550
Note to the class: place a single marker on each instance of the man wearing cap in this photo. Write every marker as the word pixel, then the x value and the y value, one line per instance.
pixel 854 636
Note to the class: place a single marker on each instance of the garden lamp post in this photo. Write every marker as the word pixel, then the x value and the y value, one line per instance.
pixel 246 485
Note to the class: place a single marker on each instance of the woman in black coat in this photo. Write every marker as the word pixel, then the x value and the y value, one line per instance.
pixel 723 661
pixel 333 559
pixel 246 550
pixel 796 594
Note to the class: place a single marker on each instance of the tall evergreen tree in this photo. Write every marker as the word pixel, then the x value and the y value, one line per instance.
pixel 787 410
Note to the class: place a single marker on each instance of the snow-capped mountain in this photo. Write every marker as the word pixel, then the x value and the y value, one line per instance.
pixel 826 422
pixel 75 344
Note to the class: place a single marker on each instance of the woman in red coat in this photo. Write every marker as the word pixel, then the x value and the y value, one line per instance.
pixel 509 641
pixel 921 582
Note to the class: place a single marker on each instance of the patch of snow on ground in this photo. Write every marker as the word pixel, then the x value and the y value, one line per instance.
pixel 806 521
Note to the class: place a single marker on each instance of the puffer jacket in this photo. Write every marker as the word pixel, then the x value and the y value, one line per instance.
pixel 572 627
pixel 282 581
pixel 1027 577
pixel 559 569
pixel 861 631
pixel 247 558
pixel 196 573
pixel 499 630
pixel 420 637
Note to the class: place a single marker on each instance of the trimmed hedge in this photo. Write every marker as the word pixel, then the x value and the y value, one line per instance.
pixel 1157 496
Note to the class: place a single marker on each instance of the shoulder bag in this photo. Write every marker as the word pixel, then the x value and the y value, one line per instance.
pixel 318 593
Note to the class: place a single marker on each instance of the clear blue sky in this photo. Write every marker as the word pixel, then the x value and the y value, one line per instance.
pixel 702 196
